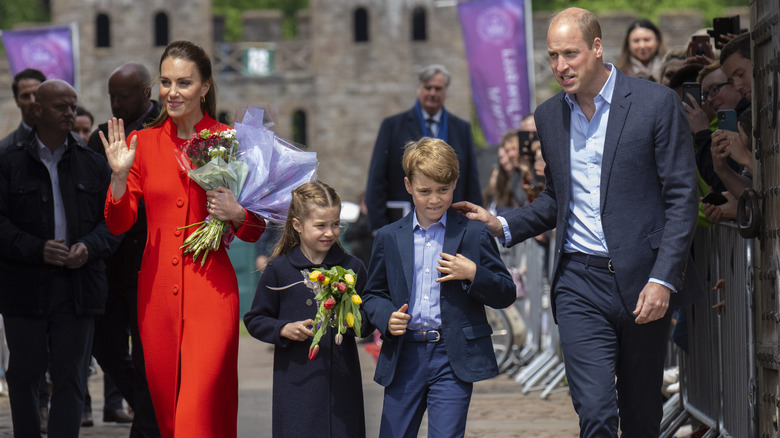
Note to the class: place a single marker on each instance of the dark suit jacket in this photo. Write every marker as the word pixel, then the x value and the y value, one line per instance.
pixel 19 134
pixel 649 199
pixel 464 327
pixel 124 264
pixel 386 176
pixel 27 222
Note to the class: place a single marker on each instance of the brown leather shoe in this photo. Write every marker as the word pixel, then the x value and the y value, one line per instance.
pixel 86 419
pixel 117 416
pixel 44 419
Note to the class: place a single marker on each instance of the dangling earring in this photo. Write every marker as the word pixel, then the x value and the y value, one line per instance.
pixel 202 99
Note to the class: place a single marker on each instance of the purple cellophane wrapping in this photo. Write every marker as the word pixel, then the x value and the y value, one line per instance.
pixel 276 167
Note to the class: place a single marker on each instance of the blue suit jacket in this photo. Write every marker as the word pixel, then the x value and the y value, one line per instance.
pixel 649 199
pixel 465 329
pixel 386 176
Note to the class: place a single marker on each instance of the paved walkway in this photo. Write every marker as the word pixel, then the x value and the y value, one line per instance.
pixel 497 408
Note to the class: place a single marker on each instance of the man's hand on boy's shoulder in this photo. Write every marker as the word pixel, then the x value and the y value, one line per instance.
pixel 477 213
pixel 456 267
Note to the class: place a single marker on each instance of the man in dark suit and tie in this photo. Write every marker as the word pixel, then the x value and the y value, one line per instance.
pixel 621 191
pixel 386 197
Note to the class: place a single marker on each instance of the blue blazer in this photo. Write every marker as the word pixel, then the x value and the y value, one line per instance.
pixel 649 198
pixel 464 326
pixel 386 175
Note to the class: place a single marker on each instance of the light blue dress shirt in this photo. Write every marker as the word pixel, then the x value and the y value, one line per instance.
pixel 424 303
pixel 584 232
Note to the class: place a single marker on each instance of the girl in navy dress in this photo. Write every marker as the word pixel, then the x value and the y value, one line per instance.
pixel 322 396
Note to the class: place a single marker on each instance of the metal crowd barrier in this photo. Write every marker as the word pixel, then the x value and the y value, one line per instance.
pixel 537 364
pixel 718 373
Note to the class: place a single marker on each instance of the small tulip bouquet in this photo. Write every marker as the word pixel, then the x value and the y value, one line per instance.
pixel 337 303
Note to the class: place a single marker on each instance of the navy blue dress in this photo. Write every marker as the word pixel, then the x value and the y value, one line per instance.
pixel 324 396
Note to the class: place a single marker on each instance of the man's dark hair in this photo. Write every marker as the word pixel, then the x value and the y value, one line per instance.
pixel 740 44
pixel 81 111
pixel 28 73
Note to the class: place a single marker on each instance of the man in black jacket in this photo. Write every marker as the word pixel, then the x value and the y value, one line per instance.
pixel 53 239
pixel 26 82
pixel 130 89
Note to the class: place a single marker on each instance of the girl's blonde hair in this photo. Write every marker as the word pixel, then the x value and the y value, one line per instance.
pixel 315 193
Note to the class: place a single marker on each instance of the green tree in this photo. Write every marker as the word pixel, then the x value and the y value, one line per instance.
pixel 644 8
pixel 232 10
pixel 13 12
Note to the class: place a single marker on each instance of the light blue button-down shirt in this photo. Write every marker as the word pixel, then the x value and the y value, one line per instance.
pixel 424 303
pixel 584 232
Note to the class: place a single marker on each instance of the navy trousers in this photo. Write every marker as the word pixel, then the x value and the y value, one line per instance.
pixel 61 340
pixel 424 379
pixel 614 366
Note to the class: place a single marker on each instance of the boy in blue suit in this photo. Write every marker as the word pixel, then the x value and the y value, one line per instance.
pixel 431 273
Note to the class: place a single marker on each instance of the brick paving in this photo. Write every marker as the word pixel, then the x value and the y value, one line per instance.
pixel 498 409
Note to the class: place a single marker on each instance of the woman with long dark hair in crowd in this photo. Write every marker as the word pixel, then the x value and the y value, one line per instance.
pixel 643 50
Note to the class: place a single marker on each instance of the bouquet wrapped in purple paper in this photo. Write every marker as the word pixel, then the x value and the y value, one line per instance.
pixel 260 168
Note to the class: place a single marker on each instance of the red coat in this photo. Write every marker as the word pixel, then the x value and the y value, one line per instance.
pixel 192 367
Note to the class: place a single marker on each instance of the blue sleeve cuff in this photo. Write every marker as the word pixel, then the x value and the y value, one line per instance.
pixel 507 234
pixel 663 283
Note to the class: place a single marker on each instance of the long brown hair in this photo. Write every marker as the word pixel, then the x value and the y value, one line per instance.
pixel 315 193
pixel 194 53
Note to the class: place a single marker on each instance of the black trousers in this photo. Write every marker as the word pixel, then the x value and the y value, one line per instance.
pixel 60 340
pixel 112 352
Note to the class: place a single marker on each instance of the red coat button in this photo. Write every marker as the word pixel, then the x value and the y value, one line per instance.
pixel 176 289
pixel 180 202
pixel 177 233
pixel 175 260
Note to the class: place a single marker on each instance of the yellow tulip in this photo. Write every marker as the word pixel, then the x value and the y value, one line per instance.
pixel 356 299
pixel 313 275
pixel 325 280
pixel 349 279
pixel 350 319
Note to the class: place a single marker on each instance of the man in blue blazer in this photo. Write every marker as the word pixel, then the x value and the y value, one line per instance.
pixel 621 191
pixel 386 196
pixel 431 274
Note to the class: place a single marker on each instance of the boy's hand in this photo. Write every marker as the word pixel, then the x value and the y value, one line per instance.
pixel 396 326
pixel 298 330
pixel 456 267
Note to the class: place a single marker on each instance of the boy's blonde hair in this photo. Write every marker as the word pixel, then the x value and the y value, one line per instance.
pixel 431 157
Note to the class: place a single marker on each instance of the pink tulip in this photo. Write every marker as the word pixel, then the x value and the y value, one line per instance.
pixel 313 352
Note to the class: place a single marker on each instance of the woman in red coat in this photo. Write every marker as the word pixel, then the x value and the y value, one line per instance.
pixel 187 313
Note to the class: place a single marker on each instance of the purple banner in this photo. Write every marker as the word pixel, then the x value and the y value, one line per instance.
pixel 495 40
pixel 48 49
